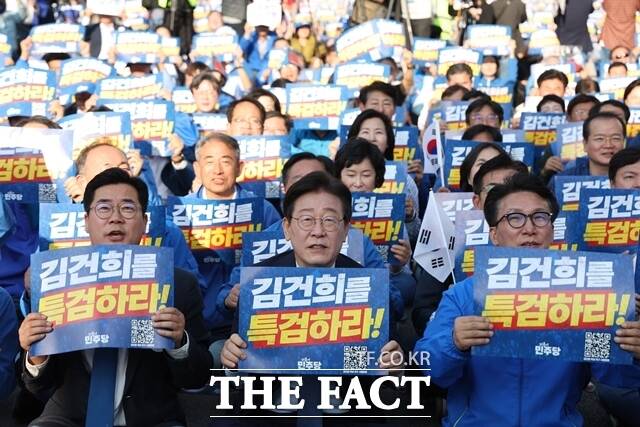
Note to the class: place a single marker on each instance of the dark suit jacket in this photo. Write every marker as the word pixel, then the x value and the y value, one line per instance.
pixel 152 379
pixel 288 259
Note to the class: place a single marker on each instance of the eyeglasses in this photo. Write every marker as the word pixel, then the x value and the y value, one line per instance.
pixel 251 122
pixel 601 139
pixel 104 210
pixel 328 223
pixel 479 118
pixel 518 220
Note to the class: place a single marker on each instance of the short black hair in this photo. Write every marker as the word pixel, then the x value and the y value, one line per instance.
pixel 354 152
pixel 518 183
pixel 204 76
pixel 378 86
pixel 474 94
pixel 113 176
pixel 237 102
pixel 481 103
pixel 281 82
pixel 305 155
pixel 257 93
pixel 354 129
pixel 553 74
pixel 500 162
pixel 615 103
pixel 467 163
pixel 586 131
pixel 475 130
pixel 581 99
pixel 587 86
pixel 624 157
pixel 618 64
pixel 453 89
pixel 276 113
pixel 550 98
pixel 634 84
pixel 42 120
pixel 459 68
pixel 313 183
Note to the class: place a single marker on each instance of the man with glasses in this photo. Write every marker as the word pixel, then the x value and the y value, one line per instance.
pixel 146 381
pixel 245 117
pixel 317 211
pixel 604 135
pixel 491 391
pixel 484 111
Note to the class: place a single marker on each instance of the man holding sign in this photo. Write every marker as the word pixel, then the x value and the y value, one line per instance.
pixel 490 391
pixel 145 381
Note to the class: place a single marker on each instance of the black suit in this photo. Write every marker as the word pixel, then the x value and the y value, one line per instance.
pixel 94 37
pixel 152 378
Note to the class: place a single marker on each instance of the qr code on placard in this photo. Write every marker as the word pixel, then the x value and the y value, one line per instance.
pixel 46 193
pixel 355 357
pixel 142 333
pixel 597 346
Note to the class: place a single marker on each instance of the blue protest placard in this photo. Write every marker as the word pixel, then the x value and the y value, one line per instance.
pixel 206 46
pixel 544 42
pixel 392 39
pixel 170 48
pixel 540 128
pixel 615 86
pixel 356 75
pixel 381 218
pixel 130 88
pixel 395 178
pixel 62 226
pixel 81 75
pixel 565 232
pixel 567 189
pixel 633 124
pixel 500 94
pixel 137 47
pixel 425 51
pixel 357 42
pixel 315 106
pixel 183 100
pixel 263 158
pixel 455 55
pixel 101 296
pixel 407 144
pixel 210 122
pixel 152 123
pixel 34 163
pixel 55 38
pixel 472 231
pixel 454 114
pixel 555 305
pixel 88 128
pixel 213 229
pixel 322 320
pixel 569 142
pixel 608 220
pixel 454 202
pixel 26 91
pixel 261 245
pixel 489 39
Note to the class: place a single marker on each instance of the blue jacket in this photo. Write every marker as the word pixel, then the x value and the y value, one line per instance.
pixel 17 248
pixel 496 392
pixel 182 256
pixel 8 344
pixel 216 274
pixel 255 62
pixel 372 259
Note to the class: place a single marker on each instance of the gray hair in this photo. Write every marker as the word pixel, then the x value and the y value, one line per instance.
pixel 227 140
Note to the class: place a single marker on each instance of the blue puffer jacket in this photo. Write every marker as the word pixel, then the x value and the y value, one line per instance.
pixel 372 259
pixel 496 392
